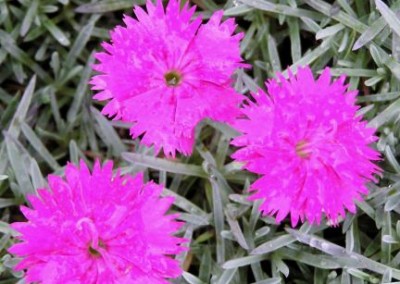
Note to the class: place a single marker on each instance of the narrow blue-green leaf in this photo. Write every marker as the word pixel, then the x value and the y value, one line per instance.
pixel 108 133
pixel 238 10
pixel 389 239
pixel 81 41
pixel 189 237
pixel 5 97
pixel 243 261
pixel 71 73
pixel 344 42
pixel 38 145
pixel 205 265
pixel 346 5
pixel 227 276
pixel 312 259
pixel 7 202
pixel 47 9
pixel 236 230
pixel 56 32
pixel 164 165
pixel 364 206
pixel 222 151
pixel 8 43
pixel 310 57
pixel 280 265
pixel 386 59
pixel 3 158
pixel 388 114
pixel 396 43
pixel 107 6
pixel 22 110
pixel 185 204
pixel 342 17
pixel 370 33
pixel 190 278
pixel 248 38
pixel 274 244
pixel 273 57
pixel 354 72
pixel 240 198
pixel 389 16
pixel 73 152
pixel 55 110
pixel 391 158
pixel 311 25
pixel 18 163
pixel 340 252
pixel 29 16
pixel 274 280
pixel 81 91
pixel 329 31
pixel 376 55
pixel 282 9
pixel 362 275
pixel 373 81
pixel 55 62
pixel 36 175
pixel 250 83
pixel 295 42
pixel 227 130
pixel 18 71
pixel 218 219
pixel 194 220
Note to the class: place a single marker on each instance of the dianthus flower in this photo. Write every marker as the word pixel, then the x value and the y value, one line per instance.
pixel 98 228
pixel 309 146
pixel 164 73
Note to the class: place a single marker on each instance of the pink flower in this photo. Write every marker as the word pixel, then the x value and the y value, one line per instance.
pixel 98 228
pixel 165 72
pixel 309 146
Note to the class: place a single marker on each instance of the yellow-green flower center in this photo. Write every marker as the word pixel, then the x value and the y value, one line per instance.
pixel 173 78
pixel 94 252
pixel 303 149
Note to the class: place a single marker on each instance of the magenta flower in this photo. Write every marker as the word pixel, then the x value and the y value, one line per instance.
pixel 308 145
pixel 164 73
pixel 98 228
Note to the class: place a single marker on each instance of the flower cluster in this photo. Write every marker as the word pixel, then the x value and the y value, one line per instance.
pixel 98 228
pixel 164 73
pixel 307 129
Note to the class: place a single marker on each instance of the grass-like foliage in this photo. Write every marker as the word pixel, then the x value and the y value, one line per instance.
pixel 48 117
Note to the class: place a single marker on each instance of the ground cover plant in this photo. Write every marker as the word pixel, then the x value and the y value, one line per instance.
pixel 48 117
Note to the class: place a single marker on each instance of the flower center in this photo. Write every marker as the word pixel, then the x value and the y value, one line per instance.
pixel 303 149
pixel 173 78
pixel 94 251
